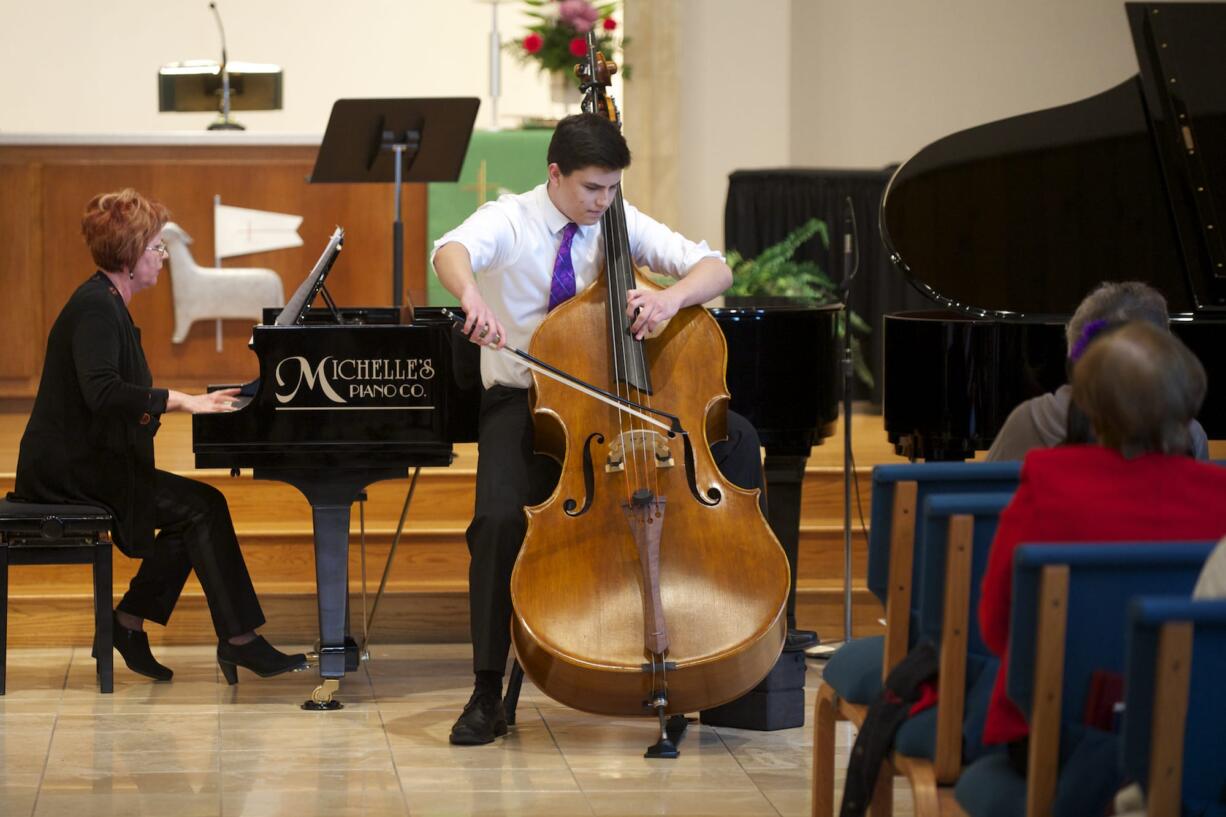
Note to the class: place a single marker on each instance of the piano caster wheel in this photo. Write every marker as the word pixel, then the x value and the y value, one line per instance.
pixel 321 698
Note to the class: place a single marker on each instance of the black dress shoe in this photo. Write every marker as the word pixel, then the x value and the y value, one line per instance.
pixel 133 646
pixel 483 720
pixel 799 640
pixel 257 655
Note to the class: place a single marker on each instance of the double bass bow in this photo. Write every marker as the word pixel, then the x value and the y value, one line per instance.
pixel 647 583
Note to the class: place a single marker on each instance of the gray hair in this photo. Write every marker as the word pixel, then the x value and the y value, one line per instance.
pixel 1118 302
pixel 1140 387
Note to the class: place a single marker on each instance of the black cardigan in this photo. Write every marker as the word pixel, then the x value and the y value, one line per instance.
pixel 90 434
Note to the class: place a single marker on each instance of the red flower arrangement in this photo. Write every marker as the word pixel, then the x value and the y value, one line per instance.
pixel 559 36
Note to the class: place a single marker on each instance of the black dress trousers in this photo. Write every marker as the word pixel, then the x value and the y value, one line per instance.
pixel 195 532
pixel 510 475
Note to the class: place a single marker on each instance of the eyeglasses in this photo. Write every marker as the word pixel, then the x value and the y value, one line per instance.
pixel 160 249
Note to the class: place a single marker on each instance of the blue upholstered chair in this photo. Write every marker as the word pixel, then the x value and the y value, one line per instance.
pixel 852 677
pixel 856 671
pixel 947 598
pixel 1174 708
pixel 1068 605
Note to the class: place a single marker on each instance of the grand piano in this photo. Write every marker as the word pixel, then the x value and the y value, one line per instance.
pixel 345 398
pixel 1007 226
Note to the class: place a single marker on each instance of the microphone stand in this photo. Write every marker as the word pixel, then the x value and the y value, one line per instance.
pixel 850 267
pixel 223 121
pixel 495 61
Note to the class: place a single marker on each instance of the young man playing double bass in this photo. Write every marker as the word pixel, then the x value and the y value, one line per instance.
pixel 509 264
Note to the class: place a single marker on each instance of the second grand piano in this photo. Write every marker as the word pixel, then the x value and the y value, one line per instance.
pixel 1009 224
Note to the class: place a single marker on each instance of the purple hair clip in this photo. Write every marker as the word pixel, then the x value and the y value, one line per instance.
pixel 1088 332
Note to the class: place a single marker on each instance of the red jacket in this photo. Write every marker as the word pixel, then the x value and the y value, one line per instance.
pixel 1088 493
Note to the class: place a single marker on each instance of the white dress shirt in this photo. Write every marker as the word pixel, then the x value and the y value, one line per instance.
pixel 513 243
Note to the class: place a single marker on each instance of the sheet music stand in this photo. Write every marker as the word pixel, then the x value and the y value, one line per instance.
pixel 398 141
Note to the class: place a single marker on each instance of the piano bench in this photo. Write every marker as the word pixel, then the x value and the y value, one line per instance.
pixel 37 534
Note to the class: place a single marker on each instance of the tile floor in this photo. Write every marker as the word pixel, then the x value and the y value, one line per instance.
pixel 195 746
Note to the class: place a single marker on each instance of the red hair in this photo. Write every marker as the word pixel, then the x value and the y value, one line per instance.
pixel 118 226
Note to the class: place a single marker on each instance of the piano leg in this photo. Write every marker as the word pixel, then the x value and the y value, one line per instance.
pixel 332 581
pixel 353 658
pixel 332 494
pixel 784 479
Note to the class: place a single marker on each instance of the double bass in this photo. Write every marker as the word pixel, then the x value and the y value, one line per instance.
pixel 647 583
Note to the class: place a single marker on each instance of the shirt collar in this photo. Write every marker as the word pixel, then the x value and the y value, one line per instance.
pixel 555 219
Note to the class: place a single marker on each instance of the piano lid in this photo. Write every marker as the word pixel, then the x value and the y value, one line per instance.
pixel 1022 217
pixel 1180 50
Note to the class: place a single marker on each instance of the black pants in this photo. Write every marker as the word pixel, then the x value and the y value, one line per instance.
pixel 194 533
pixel 1019 755
pixel 509 476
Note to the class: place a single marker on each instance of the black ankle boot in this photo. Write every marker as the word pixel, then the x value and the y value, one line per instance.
pixel 133 646
pixel 483 719
pixel 259 656
pixel 800 640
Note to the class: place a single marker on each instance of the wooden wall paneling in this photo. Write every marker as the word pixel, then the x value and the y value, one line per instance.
pixel 364 272
pixel 21 274
pixel 186 177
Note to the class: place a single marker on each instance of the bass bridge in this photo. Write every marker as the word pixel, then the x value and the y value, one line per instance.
pixel 642 444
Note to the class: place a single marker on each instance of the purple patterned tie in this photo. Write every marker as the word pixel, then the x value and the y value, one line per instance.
pixel 562 286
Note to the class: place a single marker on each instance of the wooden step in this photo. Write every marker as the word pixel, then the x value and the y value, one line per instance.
pixel 446 496
pixel 426 560
pixel 436 616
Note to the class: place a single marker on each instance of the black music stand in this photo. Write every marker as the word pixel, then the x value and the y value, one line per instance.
pixel 396 140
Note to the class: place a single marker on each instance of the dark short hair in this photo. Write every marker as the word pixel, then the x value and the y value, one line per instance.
pixel 587 140
pixel 118 226
pixel 1140 387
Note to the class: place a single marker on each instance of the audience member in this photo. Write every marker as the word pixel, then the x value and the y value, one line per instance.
pixel 1212 581
pixel 1140 388
pixel 1051 419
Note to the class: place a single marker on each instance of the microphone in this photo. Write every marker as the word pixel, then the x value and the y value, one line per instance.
pixel 850 252
pixel 222 31
pixel 223 121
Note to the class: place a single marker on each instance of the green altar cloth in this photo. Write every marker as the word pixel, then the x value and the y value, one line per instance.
pixel 498 162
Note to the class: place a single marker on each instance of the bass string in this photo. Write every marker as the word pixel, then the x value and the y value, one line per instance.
pixel 620 272
pixel 617 325
pixel 624 272
pixel 649 466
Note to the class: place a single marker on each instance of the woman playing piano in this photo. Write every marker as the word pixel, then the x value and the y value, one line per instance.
pixel 89 440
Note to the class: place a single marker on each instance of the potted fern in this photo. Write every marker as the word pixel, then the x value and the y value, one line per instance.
pixel 775 278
